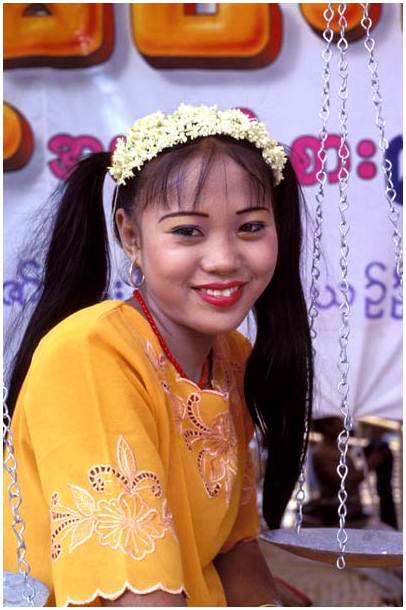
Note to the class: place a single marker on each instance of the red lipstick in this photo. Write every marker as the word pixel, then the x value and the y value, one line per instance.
pixel 221 300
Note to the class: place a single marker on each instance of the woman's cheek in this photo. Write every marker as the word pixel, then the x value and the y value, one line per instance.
pixel 266 257
pixel 168 261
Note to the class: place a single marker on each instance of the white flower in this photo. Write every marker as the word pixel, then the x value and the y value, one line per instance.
pixel 156 132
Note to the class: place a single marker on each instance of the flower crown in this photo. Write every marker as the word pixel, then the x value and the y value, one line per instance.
pixel 156 132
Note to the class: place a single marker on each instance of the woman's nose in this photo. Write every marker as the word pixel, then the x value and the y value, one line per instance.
pixel 221 257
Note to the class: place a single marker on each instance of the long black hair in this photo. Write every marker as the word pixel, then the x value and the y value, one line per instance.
pixel 279 374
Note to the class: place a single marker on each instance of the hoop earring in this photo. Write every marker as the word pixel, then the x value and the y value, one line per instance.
pixel 136 276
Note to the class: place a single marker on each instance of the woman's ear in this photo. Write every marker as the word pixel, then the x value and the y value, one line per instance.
pixel 129 235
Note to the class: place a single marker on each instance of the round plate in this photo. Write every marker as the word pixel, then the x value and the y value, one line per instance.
pixel 14 589
pixel 365 547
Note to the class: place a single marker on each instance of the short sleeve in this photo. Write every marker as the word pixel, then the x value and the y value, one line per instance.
pixel 96 437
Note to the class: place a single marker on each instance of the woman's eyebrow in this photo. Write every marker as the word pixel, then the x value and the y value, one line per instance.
pixel 253 209
pixel 184 213
pixel 203 215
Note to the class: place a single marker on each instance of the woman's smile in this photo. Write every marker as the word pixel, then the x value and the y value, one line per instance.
pixel 219 299
pixel 221 295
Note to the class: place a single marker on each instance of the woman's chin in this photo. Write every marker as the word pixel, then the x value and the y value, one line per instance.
pixel 215 326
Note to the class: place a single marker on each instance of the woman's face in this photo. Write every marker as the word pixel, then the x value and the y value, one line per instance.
pixel 205 267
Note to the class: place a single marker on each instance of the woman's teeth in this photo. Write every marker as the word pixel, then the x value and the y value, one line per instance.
pixel 227 292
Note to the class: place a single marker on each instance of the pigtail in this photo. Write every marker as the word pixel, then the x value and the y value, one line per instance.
pixel 279 373
pixel 76 270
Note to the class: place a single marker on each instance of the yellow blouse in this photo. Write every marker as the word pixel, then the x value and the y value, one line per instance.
pixel 131 477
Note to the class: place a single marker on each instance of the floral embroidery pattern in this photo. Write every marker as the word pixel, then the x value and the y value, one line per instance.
pixel 215 445
pixel 127 523
pixel 217 457
pixel 178 406
pixel 157 359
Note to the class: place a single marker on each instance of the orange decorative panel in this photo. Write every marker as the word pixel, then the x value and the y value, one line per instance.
pixel 313 13
pixel 17 139
pixel 186 36
pixel 60 35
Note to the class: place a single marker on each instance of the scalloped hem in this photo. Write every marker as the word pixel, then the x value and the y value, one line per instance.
pixel 116 594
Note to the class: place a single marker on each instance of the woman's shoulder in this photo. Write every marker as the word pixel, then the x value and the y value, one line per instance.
pixel 110 334
pixel 105 322
pixel 99 346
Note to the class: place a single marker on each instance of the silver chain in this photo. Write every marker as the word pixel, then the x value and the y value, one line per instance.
pixel 14 497
pixel 390 192
pixel 317 236
pixel 344 307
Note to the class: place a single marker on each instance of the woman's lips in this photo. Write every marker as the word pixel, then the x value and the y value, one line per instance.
pixel 227 297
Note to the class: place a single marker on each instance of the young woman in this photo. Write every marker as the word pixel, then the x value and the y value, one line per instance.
pixel 133 419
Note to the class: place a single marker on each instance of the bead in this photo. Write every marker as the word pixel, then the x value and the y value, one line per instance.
pixel 205 371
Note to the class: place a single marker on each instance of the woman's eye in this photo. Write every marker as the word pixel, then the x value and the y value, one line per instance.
pixel 187 231
pixel 252 227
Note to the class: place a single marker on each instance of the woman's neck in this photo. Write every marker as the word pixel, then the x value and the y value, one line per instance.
pixel 190 349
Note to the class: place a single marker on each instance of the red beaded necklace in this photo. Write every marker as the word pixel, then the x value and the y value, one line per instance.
pixel 204 378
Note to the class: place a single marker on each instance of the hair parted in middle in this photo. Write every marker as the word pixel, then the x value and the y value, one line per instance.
pixel 278 381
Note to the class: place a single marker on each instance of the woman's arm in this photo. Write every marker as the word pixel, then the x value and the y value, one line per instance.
pixel 156 598
pixel 245 575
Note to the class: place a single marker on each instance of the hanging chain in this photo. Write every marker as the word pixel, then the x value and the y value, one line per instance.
pixel 344 308
pixel 14 497
pixel 390 192
pixel 317 236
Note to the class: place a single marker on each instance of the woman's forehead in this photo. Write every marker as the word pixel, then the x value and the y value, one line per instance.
pixel 222 180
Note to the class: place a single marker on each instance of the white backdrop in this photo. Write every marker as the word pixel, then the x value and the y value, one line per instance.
pixel 76 109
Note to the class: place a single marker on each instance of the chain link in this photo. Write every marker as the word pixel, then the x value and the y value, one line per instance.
pixel 317 235
pixel 321 174
pixel 390 192
pixel 344 307
pixel 14 497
